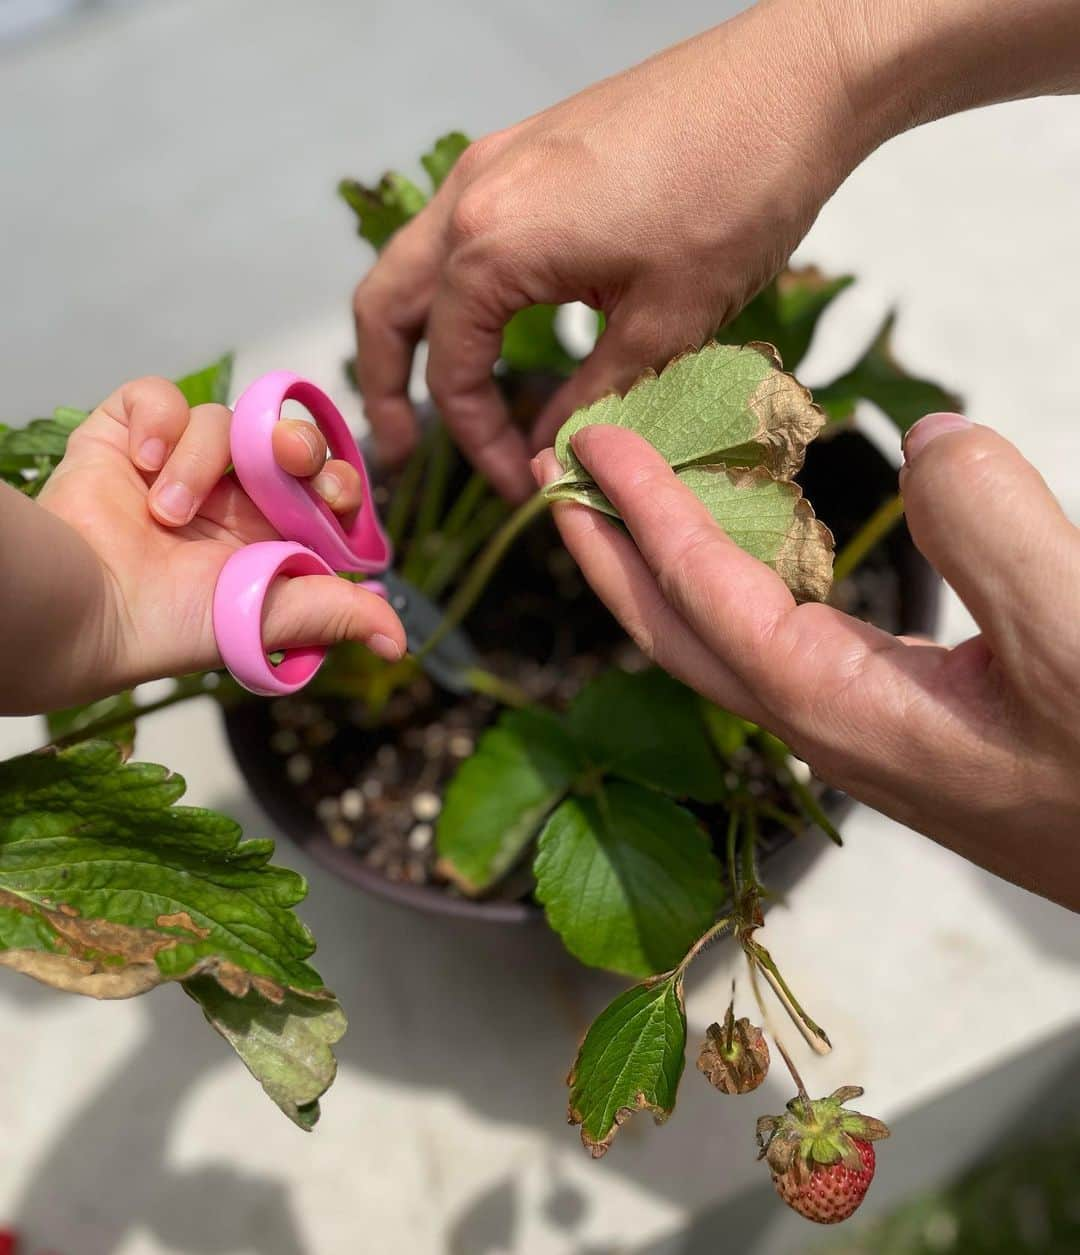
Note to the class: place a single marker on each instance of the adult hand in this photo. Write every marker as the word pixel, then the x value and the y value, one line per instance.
pixel 977 746
pixel 665 197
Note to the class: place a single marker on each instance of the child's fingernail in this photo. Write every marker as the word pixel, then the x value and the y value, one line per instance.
pixel 929 428
pixel 175 502
pixel 385 646
pixel 310 437
pixel 328 486
pixel 151 456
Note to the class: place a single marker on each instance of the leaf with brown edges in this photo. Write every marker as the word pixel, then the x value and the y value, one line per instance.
pixel 631 1060
pixel 734 428
pixel 108 888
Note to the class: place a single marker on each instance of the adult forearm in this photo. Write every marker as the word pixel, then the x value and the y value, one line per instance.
pixel 905 62
pixel 54 590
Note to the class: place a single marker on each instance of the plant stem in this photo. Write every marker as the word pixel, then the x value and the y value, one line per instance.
pixel 872 532
pixel 457 550
pixel 492 685
pixel 732 838
pixel 398 514
pixel 425 541
pixel 117 720
pixel 468 500
pixel 706 939
pixel 472 587
pixel 803 1095
pixel 815 1036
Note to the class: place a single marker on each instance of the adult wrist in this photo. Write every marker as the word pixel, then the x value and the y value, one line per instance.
pixel 907 62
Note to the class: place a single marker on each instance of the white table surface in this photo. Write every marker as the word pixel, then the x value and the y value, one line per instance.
pixel 168 193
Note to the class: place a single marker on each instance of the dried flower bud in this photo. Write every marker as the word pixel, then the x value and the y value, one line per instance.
pixel 735 1056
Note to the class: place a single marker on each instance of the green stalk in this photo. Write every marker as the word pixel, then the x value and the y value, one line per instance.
pixel 469 500
pixel 813 1034
pixel 432 497
pixel 749 853
pixel 109 723
pixel 777 753
pixel 492 685
pixel 868 537
pixel 397 516
pixel 732 839
pixel 459 549
pixel 706 939
pixel 472 588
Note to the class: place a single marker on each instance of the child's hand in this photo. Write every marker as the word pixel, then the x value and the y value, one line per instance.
pixel 144 484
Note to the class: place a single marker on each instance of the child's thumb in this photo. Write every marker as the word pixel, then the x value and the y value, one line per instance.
pixel 324 610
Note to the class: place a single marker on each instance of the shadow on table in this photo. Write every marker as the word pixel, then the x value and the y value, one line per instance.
pixel 491 1015
pixel 106 1174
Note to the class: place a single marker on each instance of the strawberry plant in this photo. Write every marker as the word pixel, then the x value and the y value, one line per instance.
pixel 631 811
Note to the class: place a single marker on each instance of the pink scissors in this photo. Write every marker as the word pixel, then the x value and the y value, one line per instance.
pixel 318 543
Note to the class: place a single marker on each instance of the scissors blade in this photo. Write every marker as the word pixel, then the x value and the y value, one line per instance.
pixel 450 662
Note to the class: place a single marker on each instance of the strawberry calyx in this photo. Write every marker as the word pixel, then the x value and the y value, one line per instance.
pixel 735 1056
pixel 817 1132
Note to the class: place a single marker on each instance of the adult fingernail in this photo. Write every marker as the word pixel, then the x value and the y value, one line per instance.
pixel 385 646
pixel 151 455
pixel 545 467
pixel 328 486
pixel 929 428
pixel 174 502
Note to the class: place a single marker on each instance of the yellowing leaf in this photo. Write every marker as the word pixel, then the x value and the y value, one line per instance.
pixel 733 427
pixel 722 404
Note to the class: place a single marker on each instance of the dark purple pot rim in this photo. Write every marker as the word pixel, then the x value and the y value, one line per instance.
pixel 246 729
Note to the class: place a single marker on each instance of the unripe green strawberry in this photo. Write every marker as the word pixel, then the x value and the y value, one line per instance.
pixel 820 1155
pixel 735 1057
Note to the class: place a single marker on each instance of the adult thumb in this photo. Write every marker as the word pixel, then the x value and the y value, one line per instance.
pixel 986 520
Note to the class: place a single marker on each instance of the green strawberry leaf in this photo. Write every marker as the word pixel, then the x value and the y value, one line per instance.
pixel 727 732
pixel 786 312
pixel 627 878
pixel 501 795
pixel 878 378
pixel 108 888
pixel 382 209
pixel 30 454
pixel 444 153
pixel 63 723
pixel 211 384
pixel 647 727
pixel 733 427
pixel 287 1046
pixel 631 1060
pixel 531 343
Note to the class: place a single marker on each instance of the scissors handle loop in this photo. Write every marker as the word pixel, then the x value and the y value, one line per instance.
pixel 292 506
pixel 315 542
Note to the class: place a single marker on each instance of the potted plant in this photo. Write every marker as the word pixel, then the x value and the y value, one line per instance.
pixel 557 759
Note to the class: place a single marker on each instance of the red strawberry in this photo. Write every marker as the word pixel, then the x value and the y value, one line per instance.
pixel 821 1156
